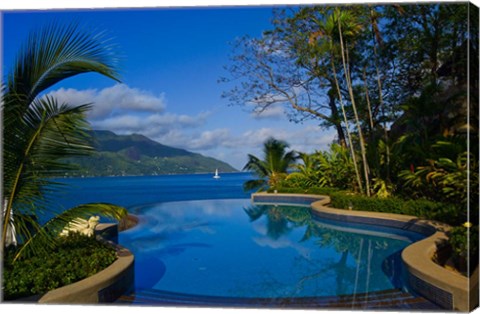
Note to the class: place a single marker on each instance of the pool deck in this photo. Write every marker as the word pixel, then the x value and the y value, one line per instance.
pixel 445 288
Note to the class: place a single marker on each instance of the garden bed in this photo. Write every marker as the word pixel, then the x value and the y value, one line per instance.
pixel 81 270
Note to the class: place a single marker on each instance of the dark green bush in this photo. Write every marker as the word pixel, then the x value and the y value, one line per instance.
pixel 76 258
pixel 464 243
pixel 425 209
pixel 421 208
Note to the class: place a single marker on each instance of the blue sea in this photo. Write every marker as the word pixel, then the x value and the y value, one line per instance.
pixel 134 191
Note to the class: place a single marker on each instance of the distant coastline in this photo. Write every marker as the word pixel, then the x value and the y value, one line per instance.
pixel 137 155
pixel 146 175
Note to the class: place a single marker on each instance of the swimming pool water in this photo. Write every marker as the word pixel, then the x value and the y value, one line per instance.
pixel 232 248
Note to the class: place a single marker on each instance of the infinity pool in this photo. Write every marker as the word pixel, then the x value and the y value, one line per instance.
pixel 231 248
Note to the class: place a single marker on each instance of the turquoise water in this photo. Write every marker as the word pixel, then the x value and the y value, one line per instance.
pixel 202 236
pixel 231 248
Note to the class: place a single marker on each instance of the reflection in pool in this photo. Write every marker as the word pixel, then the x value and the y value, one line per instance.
pixel 231 248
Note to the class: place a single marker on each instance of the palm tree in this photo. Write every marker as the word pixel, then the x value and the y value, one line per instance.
pixel 39 133
pixel 274 166
pixel 328 31
pixel 353 27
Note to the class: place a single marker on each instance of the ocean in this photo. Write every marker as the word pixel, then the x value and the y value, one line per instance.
pixel 136 191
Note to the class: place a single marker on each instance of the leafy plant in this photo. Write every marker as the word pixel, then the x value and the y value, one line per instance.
pixel 444 178
pixel 421 208
pixel 40 133
pixel 76 257
pixel 272 169
pixel 307 174
pixel 336 168
pixel 464 243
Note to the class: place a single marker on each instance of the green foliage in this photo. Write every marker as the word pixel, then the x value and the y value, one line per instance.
pixel 39 133
pixel 445 179
pixel 421 208
pixel 47 236
pixel 464 243
pixel 272 169
pixel 75 258
pixel 336 168
pixel 381 188
pixel 306 175
pixel 333 169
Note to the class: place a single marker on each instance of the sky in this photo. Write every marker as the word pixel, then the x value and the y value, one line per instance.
pixel 171 59
pixel 170 62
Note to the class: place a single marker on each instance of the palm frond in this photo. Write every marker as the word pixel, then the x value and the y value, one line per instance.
pixel 256 165
pixel 254 184
pixel 45 237
pixel 55 53
pixel 38 132
pixel 274 165
pixel 54 132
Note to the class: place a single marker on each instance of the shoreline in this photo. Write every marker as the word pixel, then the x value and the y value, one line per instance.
pixel 149 175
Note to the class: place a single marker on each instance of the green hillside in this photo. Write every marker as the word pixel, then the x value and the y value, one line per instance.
pixel 135 154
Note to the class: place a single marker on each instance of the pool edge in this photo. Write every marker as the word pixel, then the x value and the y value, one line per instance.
pixel 437 284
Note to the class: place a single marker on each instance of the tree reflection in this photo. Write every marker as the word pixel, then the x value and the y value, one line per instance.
pixel 361 257
pixel 276 222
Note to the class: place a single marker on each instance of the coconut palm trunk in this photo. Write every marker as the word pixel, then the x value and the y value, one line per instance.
pixel 367 98
pixel 352 100
pixel 349 136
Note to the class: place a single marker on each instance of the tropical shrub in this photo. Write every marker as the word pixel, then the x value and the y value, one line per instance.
pixel 333 169
pixel 444 178
pixel 307 174
pixel 464 243
pixel 336 169
pixel 421 208
pixel 76 257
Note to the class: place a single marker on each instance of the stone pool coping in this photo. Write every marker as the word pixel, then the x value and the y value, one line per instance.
pixel 442 286
pixel 105 286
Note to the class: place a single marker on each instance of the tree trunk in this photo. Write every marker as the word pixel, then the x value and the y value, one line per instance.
pixel 380 98
pixel 336 122
pixel 350 144
pixel 350 91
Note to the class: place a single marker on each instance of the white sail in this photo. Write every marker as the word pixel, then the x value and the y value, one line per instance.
pixel 216 176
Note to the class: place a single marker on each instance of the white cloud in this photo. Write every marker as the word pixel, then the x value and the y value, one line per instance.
pixel 152 125
pixel 211 139
pixel 114 100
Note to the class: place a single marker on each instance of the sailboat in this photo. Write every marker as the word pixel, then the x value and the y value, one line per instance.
pixel 216 176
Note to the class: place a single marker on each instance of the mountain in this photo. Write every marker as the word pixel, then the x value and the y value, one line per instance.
pixel 135 154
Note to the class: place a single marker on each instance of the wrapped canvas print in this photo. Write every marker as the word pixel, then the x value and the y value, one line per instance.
pixel 245 156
